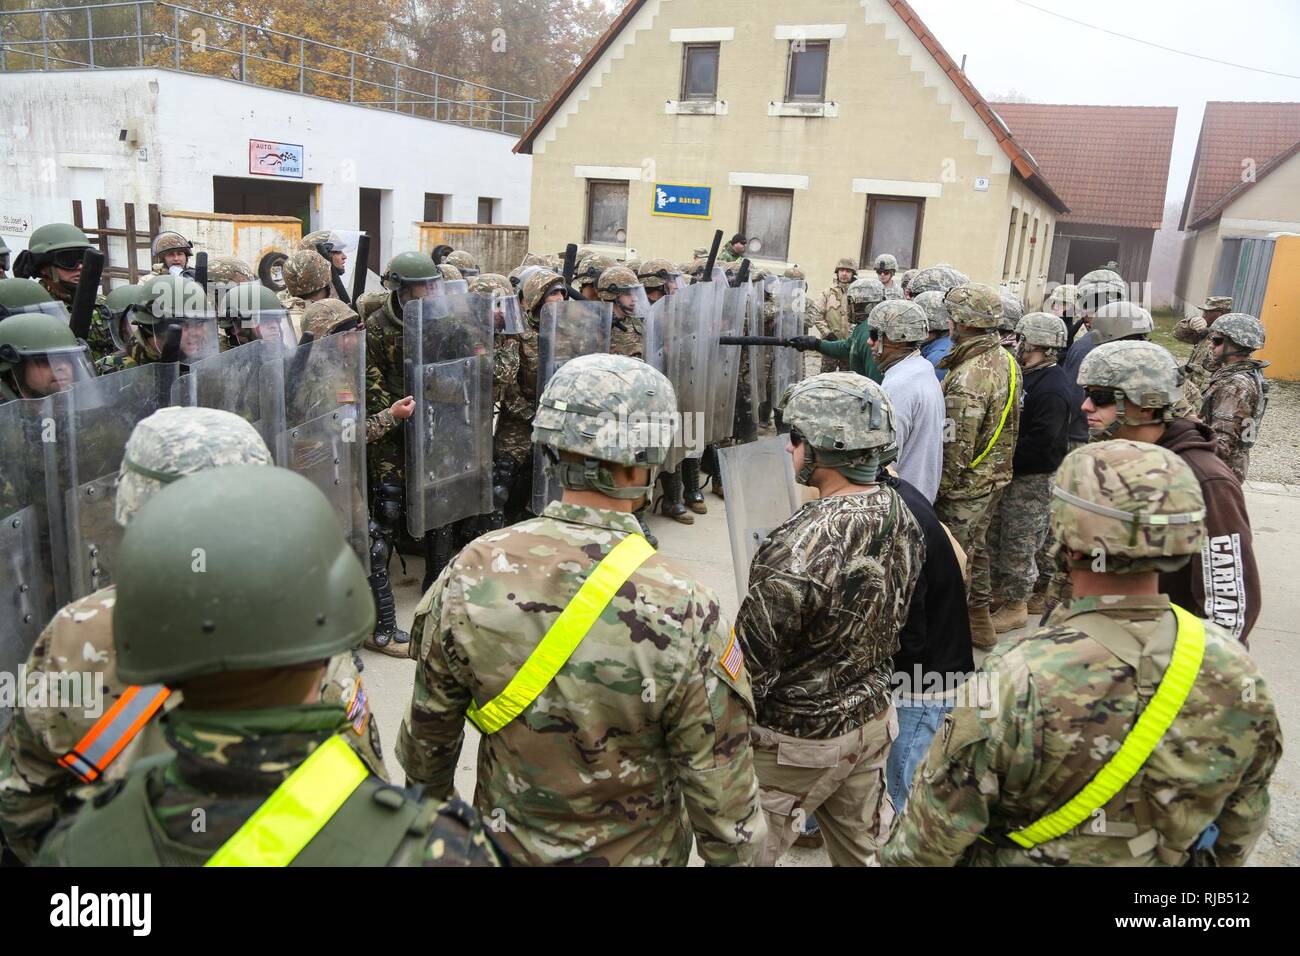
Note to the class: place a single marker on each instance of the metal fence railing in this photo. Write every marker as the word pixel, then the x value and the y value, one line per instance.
pixel 148 33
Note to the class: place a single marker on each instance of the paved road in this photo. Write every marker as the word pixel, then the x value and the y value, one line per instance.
pixel 702 550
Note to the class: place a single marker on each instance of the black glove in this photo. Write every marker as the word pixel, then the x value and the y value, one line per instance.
pixel 805 343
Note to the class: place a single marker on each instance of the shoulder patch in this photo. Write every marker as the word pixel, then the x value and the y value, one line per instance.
pixel 733 658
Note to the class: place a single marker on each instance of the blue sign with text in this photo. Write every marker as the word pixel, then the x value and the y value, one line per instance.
pixel 682 201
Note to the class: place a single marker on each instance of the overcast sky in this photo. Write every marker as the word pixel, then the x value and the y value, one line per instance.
pixel 1009 46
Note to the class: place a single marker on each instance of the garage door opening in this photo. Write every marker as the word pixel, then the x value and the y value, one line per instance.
pixel 371 215
pixel 1088 254
pixel 261 197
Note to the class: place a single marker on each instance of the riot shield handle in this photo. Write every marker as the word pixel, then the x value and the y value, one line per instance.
pixel 201 270
pixel 713 255
pixel 775 340
pixel 359 266
pixel 83 302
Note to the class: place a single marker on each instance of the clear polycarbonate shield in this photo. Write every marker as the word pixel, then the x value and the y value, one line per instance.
pixel 27 559
pixel 724 372
pixel 447 342
pixel 787 364
pixel 654 333
pixel 760 491
pixel 272 326
pixel 93 422
pixel 247 381
pixel 452 287
pixel 324 438
pixel 760 357
pixel 507 315
pixel 632 304
pixel 566 330
pixel 200 338
pixel 119 327
pixel 691 344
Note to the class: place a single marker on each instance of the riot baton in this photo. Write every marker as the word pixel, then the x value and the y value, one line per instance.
pixel 570 267
pixel 774 340
pixel 300 356
pixel 201 270
pixel 713 255
pixel 83 302
pixel 742 274
pixel 359 265
pixel 340 290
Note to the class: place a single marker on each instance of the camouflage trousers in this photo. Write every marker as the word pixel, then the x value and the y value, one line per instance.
pixel 968 519
pixel 1016 534
pixel 513 439
pixel 1045 560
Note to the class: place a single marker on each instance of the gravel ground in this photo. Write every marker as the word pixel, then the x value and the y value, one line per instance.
pixel 1276 456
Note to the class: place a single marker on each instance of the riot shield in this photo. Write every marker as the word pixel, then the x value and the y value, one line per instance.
pixel 324 437
pixel 247 381
pixel 691 342
pixel 27 560
pixel 447 343
pixel 760 356
pixel 94 421
pixel 724 370
pixel 759 487
pixel 567 329
pixel 655 332
pixel 787 364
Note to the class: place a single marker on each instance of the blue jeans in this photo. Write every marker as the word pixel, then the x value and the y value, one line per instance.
pixel 918 722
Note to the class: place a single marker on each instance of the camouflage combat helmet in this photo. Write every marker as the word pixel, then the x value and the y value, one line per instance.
pixel 170 297
pixel 885 262
pixel 590 267
pixel 532 259
pixel 1063 295
pixel 938 278
pixel 229 270
pixel 606 408
pixel 1144 376
pixel 907 276
pixel 407 268
pixel 490 283
pixel 1244 331
pixel 655 273
pixel 935 311
pixel 794 272
pixel 1012 311
pixel 846 263
pixel 1097 289
pixel 847 422
pixel 170 242
pixel 900 320
pixel 464 262
pixel 1217 303
pixel 865 294
pixel 974 305
pixel 306 272
pixel 1119 320
pixel 322 241
pixel 537 286
pixel 1136 506
pixel 449 272
pixel 618 281
pixel 1042 330
pixel 174 442
pixel 327 316
pixel 633 263
pixel 171 624
pixel 23 295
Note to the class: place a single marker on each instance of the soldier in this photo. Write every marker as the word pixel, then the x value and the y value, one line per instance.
pixel 330 247
pixel 463 261
pixel 1061 304
pixel 250 311
pixel 620 287
pixel 1013 310
pixel 659 277
pixel 449 272
pixel 588 271
pixel 306 279
pixel 1005 785
pixel 983 393
pixel 938 343
pixel 51 750
pixel 1195 331
pixel 828 593
pixel 53 258
pixel 246 644
pixel 1133 391
pixel 734 252
pixel 1020 526
pixel 4 259
pixel 116 311
pixel 171 253
pixel 39 355
pixel 885 266
pixel 830 311
pixel 1236 395
pixel 638 757
pixel 905 281
pixel 914 393
pixel 172 322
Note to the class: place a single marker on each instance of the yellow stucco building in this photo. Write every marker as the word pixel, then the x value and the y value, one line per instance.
pixel 828 128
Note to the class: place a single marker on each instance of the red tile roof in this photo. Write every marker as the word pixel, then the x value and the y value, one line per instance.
pixel 1021 161
pixel 1110 163
pixel 1232 133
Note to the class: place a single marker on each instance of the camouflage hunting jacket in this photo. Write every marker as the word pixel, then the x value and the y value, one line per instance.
pixel 975 393
pixel 1234 403
pixel 1061 706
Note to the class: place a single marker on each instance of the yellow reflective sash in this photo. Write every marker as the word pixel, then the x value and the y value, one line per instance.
pixel 564 635
pixel 1185 663
pixel 297 810
pixel 1006 410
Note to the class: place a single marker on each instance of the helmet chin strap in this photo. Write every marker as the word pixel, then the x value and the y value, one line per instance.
pixel 591 474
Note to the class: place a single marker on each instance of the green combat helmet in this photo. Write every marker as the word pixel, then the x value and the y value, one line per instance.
pixel 864 295
pixel 306 272
pixel 1096 289
pixel 900 320
pixel 326 317
pixel 935 311
pixel 938 278
pixel 974 305
pixel 1136 506
pixel 1012 311
pixel 464 262
pixel 20 296
pixel 409 270
pixel 847 422
pixel 1042 330
pixel 1143 376
pixel 607 409
pixel 167 300
pixel 250 310
pixel 116 309
pixel 39 356
pixel 55 243
pixel 1242 330
pixel 305 599
pixel 1120 320
pixel 537 286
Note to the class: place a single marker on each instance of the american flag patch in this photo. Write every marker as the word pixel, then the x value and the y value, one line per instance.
pixel 344 396
pixel 359 710
pixel 733 659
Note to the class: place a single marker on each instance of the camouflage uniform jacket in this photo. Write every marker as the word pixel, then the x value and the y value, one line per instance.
pixel 297 308
pixel 35 791
pixel 1063 704
pixel 100 338
pixel 513 438
pixel 627 337
pixel 829 591
pixel 134 355
pixel 642 736
pixel 1200 364
pixel 227 763
pixel 1235 399
pixel 385 382
pixel 830 312
pixel 505 365
pixel 726 255
pixel 975 393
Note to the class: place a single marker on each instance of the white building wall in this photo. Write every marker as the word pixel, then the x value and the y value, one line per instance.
pixel 59 141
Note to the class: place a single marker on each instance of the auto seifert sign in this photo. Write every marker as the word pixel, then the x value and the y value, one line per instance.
pixel 682 201
pixel 275 159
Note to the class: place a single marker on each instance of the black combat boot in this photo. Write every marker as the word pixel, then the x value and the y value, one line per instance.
pixel 645 528
pixel 690 476
pixel 670 503
pixel 388 637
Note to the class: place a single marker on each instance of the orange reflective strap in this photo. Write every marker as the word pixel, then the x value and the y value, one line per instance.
pixel 112 732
